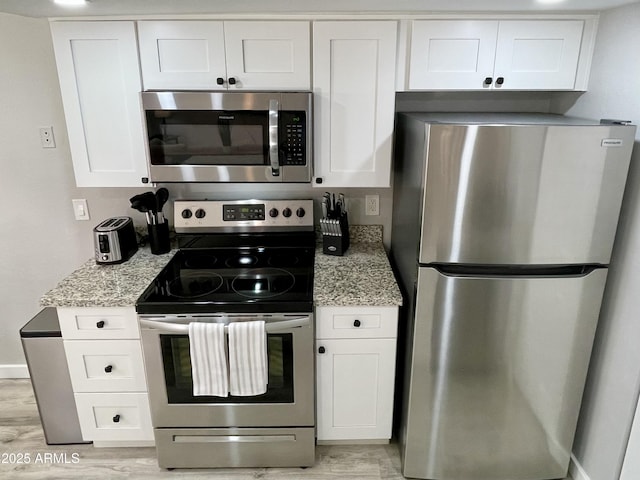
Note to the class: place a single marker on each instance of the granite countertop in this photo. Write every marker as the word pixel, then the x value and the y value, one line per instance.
pixel 118 285
pixel 362 276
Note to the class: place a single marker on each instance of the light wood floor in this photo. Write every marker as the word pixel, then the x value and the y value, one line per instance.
pixel 21 434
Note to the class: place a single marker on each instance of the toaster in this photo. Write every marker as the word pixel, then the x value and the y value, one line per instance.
pixel 115 240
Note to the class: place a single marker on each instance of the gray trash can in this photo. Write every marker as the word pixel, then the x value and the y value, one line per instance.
pixel 44 351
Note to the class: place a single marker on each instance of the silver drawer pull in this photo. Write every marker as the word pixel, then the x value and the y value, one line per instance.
pixel 233 438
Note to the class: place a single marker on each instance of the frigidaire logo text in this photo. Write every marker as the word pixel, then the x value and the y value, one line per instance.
pixel 226 117
pixel 611 142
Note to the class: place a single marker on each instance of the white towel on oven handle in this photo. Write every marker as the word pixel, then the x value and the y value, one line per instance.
pixel 209 368
pixel 248 362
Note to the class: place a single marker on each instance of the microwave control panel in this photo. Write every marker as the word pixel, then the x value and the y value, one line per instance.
pixel 292 138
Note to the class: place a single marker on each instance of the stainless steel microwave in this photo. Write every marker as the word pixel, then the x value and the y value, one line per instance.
pixel 256 137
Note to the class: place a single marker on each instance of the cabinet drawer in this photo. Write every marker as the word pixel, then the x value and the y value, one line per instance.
pixel 356 322
pixel 98 323
pixel 114 416
pixel 105 366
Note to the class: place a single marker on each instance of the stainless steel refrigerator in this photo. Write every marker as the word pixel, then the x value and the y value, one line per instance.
pixel 503 226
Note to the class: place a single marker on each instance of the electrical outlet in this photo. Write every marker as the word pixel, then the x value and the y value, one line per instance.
pixel 80 209
pixel 372 204
pixel 46 137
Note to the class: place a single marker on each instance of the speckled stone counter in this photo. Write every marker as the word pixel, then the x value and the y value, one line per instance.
pixel 362 276
pixel 118 285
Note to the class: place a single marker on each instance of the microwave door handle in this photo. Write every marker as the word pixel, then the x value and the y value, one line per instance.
pixel 274 106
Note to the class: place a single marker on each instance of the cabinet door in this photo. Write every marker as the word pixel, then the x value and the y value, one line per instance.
pixel 100 84
pixel 355 388
pixel 538 55
pixel 354 85
pixel 452 54
pixel 182 55
pixel 268 55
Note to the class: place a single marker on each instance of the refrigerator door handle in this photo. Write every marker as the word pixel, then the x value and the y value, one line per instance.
pixel 451 270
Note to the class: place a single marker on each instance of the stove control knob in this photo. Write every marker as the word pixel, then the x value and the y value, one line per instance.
pixel 273 213
pixel 200 213
pixel 286 212
pixel 300 212
pixel 186 213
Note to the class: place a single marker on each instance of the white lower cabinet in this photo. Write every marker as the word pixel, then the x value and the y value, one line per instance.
pixel 355 362
pixel 105 361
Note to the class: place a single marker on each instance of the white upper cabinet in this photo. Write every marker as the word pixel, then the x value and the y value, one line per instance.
pixel 182 55
pixel 354 66
pixel 210 55
pixel 269 55
pixel 538 55
pixel 451 55
pixel 100 83
pixel 488 54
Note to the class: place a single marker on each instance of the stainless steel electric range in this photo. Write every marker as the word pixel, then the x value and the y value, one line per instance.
pixel 238 261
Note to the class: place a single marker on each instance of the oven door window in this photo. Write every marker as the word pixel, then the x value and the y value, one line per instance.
pixel 179 383
pixel 208 137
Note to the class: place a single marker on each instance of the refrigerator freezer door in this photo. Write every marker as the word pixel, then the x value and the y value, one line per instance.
pixel 523 194
pixel 497 370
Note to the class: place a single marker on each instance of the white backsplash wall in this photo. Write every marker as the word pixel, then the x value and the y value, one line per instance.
pixel 503 101
pixel 355 198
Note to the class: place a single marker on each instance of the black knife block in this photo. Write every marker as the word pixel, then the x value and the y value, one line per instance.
pixel 159 237
pixel 336 243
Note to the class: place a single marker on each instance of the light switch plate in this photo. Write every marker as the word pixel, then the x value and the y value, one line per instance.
pixel 80 209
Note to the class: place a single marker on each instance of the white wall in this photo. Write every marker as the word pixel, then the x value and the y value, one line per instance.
pixel 40 241
pixel 614 376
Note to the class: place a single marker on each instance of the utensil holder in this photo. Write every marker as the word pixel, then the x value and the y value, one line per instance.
pixel 335 235
pixel 159 237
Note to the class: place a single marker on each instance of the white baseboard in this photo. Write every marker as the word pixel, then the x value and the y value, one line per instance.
pixel 14 371
pixel 576 471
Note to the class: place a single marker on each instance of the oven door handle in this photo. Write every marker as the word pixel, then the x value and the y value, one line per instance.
pixel 274 106
pixel 184 328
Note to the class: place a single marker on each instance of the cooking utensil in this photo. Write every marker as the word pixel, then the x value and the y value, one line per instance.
pixel 162 195
pixel 146 203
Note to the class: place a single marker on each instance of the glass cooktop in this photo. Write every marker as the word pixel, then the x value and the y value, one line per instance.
pixel 245 280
